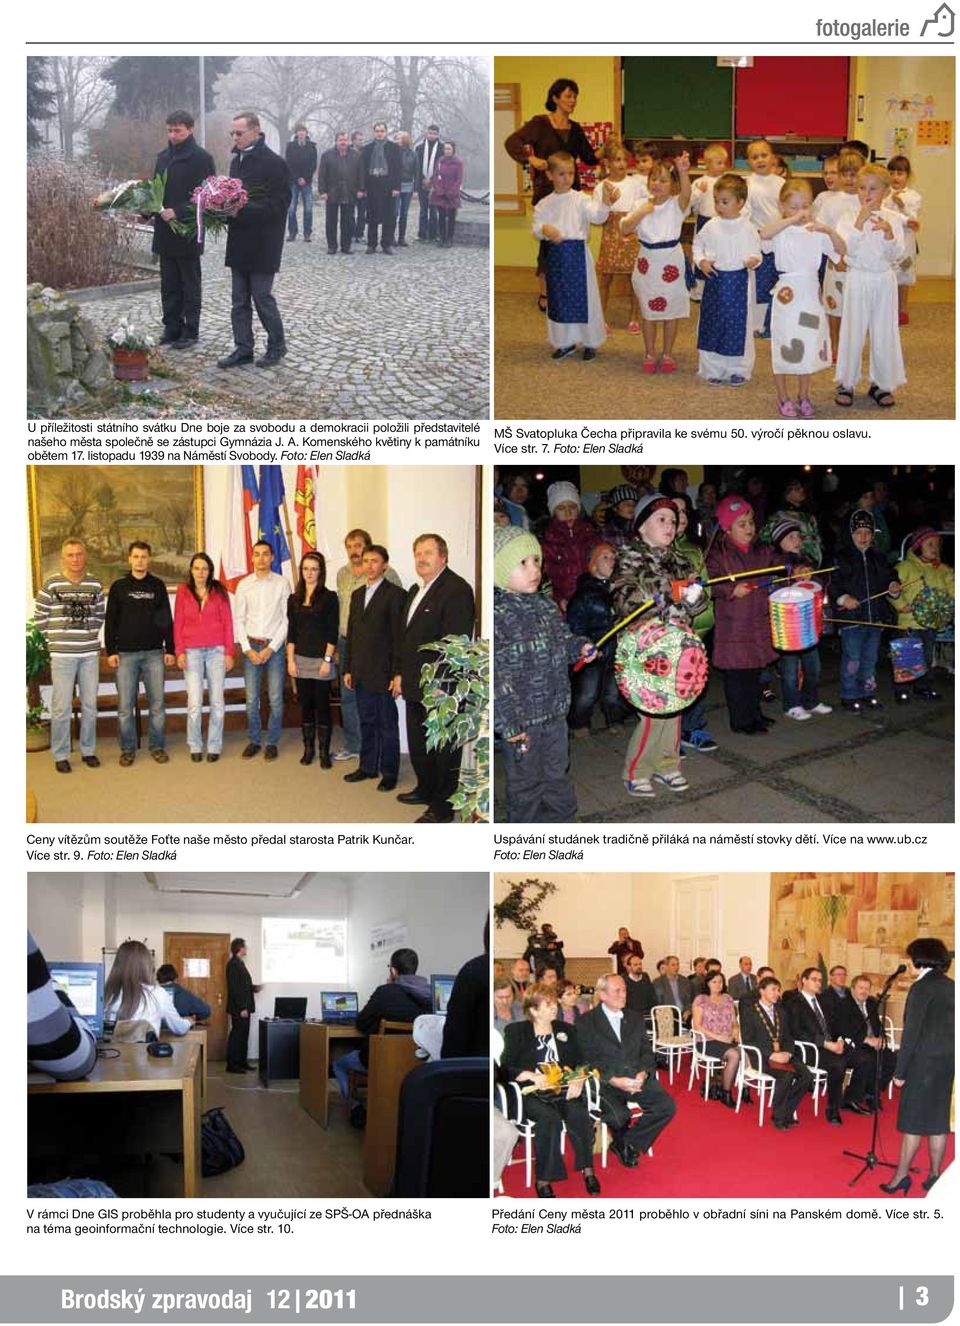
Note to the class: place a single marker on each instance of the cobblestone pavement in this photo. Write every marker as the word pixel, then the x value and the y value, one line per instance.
pixel 895 766
pixel 369 336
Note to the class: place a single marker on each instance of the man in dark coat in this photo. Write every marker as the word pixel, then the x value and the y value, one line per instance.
pixel 240 1004
pixel 186 164
pixel 613 1039
pixel 255 242
pixel 339 185
pixel 301 159
pixel 441 605
pixel 428 152
pixel 764 1025
pixel 381 162
pixel 861 1029
pixel 809 1022
pixel 371 668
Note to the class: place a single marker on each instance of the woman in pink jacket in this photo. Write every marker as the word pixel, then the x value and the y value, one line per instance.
pixel 203 640
pixel 445 191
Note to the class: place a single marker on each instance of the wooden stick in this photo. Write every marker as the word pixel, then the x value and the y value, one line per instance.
pixel 881 626
pixel 739 575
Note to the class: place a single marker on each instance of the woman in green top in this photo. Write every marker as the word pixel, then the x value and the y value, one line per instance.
pixel 693 721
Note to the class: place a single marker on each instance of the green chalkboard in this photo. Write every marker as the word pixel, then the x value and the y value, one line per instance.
pixel 666 95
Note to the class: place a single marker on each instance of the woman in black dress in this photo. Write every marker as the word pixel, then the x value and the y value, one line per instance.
pixel 541 1039
pixel 925 1063
pixel 313 619
pixel 534 141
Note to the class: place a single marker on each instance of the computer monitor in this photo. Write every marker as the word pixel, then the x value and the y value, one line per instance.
pixel 292 1008
pixel 82 983
pixel 339 1005
pixel 440 987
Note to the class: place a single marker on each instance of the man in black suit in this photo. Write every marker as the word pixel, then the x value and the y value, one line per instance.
pixel 836 997
pixel 640 996
pixel 672 988
pixel 861 1029
pixel 371 668
pixel 380 185
pixel 613 1039
pixel 809 1022
pixel 240 1005
pixel 744 983
pixel 186 165
pixel 441 605
pixel 764 1025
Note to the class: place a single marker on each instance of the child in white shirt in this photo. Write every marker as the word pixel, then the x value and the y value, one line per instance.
pixel 907 201
pixel 716 162
pixel 831 182
pixel 658 277
pixel 564 217
pixel 841 202
pixel 799 334
pixel 763 206
pixel 874 240
pixel 727 251
pixel 619 252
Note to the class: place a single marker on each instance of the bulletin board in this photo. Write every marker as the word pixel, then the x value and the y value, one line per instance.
pixel 686 94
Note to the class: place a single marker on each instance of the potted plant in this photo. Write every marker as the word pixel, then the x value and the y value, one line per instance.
pixel 456 696
pixel 38 656
pixel 130 348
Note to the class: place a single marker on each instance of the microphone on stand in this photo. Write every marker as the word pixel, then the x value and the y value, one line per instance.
pixel 894 974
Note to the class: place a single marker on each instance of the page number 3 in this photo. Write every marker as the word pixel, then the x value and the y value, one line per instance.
pixel 922 1296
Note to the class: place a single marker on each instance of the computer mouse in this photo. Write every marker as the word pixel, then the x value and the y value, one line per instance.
pixel 160 1050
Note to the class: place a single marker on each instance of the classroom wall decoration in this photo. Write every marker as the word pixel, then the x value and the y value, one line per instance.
pixel 110 506
pixel 863 921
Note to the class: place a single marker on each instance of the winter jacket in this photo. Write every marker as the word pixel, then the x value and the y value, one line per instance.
pixel 339 176
pixel 446 183
pixel 187 164
pixel 742 636
pixel 703 622
pixel 924 575
pixel 257 233
pixel 565 549
pixel 862 574
pixel 138 616
pixel 533 650
pixel 301 159
pixel 643 572
pixel 392 158
pixel 616 531
pixel 590 611
pixel 408 169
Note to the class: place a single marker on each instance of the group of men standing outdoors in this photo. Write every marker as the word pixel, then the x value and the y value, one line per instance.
pixel 381 630
pixel 364 185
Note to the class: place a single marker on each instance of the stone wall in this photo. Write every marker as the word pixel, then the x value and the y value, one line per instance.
pixel 66 362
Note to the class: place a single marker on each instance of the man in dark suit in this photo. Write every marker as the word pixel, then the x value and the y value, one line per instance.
pixel 371 668
pixel 835 999
pixel 338 184
pixel 613 1039
pixel 380 184
pixel 809 1022
pixel 640 996
pixel 764 1025
pixel 672 988
pixel 441 605
pixel 240 1004
pixel 255 243
pixel 861 1029
pixel 744 983
pixel 186 165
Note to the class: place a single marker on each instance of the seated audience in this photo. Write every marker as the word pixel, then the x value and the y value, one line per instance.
pixel 672 988
pixel 187 1004
pixel 568 992
pixel 860 1027
pixel 640 996
pixel 744 983
pixel 835 1000
pixel 130 995
pixel 528 1047
pixel 765 1026
pixel 809 1022
pixel 715 1014
pixel 59 1042
pixel 506 1008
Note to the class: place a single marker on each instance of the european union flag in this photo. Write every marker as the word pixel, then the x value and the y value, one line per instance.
pixel 271 527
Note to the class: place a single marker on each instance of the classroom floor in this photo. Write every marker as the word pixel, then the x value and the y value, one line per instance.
pixel 527 385
pixel 232 792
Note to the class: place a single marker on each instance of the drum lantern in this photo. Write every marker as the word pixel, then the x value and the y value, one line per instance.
pixel 793 618
pixel 933 609
pixel 906 654
pixel 661 668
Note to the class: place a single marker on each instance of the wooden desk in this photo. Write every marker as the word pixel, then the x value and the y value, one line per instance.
pixel 134 1072
pixel 391 1059
pixel 315 1061
pixel 198 1036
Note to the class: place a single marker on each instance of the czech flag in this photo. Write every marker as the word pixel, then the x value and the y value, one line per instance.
pixel 236 559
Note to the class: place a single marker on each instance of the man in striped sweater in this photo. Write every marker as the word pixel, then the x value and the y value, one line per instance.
pixel 69 611
pixel 59 1042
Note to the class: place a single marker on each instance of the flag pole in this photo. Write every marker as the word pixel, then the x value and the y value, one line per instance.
pixel 289 531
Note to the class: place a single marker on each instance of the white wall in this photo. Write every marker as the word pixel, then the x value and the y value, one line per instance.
pixel 55 915
pixel 586 912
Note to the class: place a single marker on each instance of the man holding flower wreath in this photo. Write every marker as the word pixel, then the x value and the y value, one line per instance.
pixel 185 164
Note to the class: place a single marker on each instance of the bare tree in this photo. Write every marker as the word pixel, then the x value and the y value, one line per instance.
pixel 285 89
pixel 75 493
pixel 82 95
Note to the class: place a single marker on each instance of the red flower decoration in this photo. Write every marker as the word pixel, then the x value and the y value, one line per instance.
pixel 658 304
pixel 671 273
pixel 643 266
pixel 692 669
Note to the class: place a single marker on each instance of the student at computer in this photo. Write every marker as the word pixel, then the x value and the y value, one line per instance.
pixel 59 1042
pixel 130 994
pixel 402 998
pixel 187 1004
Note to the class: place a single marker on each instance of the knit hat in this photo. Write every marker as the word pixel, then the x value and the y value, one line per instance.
pixel 731 508
pixel 595 552
pixel 561 491
pixel 648 505
pixel 918 536
pixel 862 519
pixel 511 545
pixel 623 492
pixel 782 528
